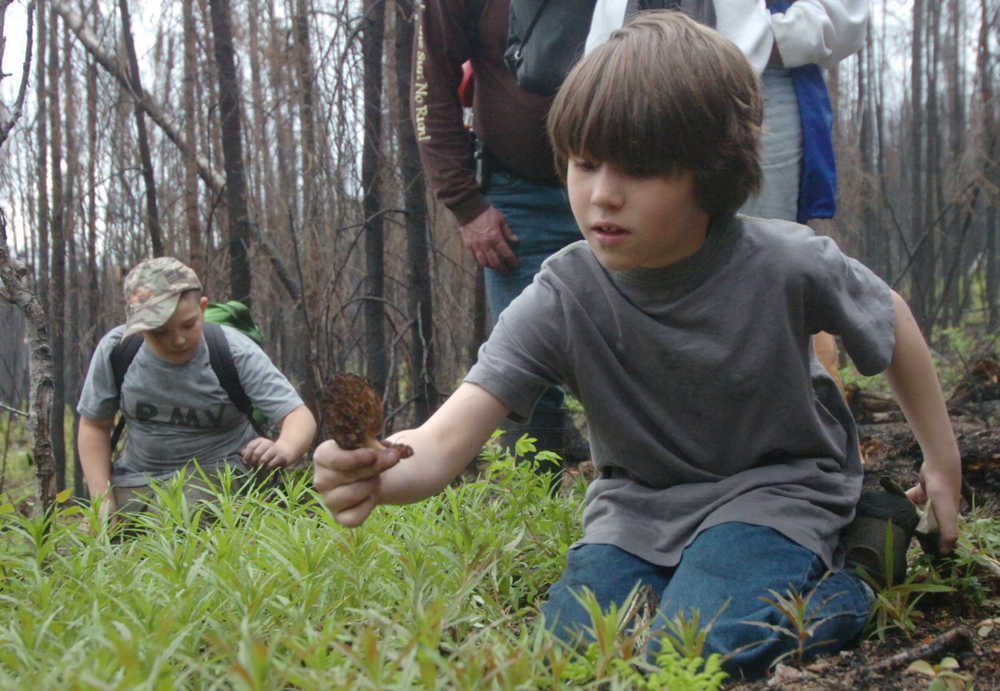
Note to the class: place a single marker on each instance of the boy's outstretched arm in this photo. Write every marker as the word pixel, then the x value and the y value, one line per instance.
pixel 352 483
pixel 914 381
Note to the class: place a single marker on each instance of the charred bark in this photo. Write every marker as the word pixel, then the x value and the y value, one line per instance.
pixel 232 151
pixel 15 280
pixel 417 241
pixel 57 297
pixel 152 215
pixel 372 37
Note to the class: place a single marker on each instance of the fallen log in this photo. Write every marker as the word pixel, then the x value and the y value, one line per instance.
pixel 872 406
pixel 958 639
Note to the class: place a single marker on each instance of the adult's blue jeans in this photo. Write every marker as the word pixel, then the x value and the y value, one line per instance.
pixel 727 568
pixel 541 218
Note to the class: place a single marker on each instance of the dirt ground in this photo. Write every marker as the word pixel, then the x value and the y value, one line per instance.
pixel 952 625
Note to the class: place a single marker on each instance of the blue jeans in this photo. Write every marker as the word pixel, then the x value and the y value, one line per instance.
pixel 541 218
pixel 734 563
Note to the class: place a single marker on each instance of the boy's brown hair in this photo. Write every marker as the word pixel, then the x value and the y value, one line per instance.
pixel 665 92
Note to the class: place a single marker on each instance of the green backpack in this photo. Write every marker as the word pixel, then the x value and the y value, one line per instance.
pixel 237 315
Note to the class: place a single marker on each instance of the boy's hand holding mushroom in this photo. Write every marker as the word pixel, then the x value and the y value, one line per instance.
pixel 347 467
pixel 348 479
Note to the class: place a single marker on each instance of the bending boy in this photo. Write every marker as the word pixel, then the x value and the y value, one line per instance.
pixel 174 404
pixel 728 459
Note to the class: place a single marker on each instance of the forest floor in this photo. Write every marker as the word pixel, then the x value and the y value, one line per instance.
pixel 955 641
pixel 953 638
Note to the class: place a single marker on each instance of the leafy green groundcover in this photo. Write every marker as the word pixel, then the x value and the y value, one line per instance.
pixel 271 593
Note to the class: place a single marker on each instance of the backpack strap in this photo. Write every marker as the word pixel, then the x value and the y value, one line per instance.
pixel 121 357
pixel 531 26
pixel 221 359
pixel 515 51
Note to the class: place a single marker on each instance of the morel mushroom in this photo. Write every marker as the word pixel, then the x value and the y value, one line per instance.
pixel 353 414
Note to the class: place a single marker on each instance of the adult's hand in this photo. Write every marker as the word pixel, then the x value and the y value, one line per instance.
pixel 488 239
pixel 348 481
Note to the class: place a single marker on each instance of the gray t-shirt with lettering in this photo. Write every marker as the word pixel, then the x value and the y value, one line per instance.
pixel 700 385
pixel 176 413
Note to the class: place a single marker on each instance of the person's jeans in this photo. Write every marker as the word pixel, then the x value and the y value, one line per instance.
pixel 542 220
pixel 725 571
pixel 781 149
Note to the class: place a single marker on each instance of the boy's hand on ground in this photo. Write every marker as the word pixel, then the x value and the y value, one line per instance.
pixel 942 488
pixel 488 239
pixel 265 453
pixel 348 481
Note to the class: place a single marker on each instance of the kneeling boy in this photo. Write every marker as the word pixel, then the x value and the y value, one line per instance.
pixel 177 409
pixel 728 459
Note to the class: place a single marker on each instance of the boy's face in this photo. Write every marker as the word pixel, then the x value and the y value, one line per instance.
pixel 631 222
pixel 177 341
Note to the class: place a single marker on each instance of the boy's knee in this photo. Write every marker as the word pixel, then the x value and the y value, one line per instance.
pixel 597 577
pixel 759 628
pixel 837 611
pixel 565 617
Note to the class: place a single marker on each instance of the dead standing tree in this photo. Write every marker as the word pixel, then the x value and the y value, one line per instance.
pixel 373 34
pixel 14 276
pixel 56 306
pixel 152 215
pixel 232 152
pixel 417 241
pixel 16 291
pixel 6 127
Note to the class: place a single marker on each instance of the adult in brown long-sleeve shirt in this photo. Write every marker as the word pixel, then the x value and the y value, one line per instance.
pixel 522 214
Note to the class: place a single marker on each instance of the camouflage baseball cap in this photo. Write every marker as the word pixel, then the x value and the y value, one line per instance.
pixel 152 289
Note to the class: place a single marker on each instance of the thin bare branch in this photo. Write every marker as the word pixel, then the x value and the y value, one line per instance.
pixel 9 409
pixel 18 108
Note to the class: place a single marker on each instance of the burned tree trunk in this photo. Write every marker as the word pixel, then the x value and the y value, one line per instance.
pixel 15 283
pixel 372 37
pixel 152 215
pixel 15 280
pixel 56 307
pixel 417 241
pixel 232 151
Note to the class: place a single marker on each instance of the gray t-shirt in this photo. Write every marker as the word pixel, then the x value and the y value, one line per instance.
pixel 175 413
pixel 700 385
